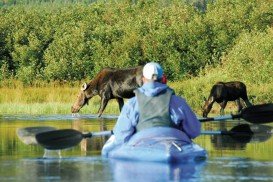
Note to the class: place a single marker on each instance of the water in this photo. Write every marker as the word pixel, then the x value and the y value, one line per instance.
pixel 229 160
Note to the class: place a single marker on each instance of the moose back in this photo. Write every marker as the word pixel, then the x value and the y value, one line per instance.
pixel 110 83
pixel 222 92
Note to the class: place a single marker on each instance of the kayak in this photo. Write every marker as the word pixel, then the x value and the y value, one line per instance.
pixel 159 144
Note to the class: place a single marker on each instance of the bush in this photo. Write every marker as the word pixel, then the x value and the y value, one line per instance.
pixel 74 41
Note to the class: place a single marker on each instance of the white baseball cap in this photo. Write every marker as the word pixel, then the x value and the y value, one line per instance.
pixel 152 71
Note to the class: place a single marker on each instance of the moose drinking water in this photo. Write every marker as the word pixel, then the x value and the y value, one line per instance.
pixel 222 92
pixel 110 83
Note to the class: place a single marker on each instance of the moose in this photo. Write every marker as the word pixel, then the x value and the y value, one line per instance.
pixel 110 83
pixel 222 92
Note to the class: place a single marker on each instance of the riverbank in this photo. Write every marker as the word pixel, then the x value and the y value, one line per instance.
pixel 58 98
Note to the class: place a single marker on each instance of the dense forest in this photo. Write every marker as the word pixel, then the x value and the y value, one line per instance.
pixel 197 42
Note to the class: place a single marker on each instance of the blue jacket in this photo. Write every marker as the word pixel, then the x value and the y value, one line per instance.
pixel 180 112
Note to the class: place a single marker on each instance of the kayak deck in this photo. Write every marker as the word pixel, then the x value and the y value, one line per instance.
pixel 159 145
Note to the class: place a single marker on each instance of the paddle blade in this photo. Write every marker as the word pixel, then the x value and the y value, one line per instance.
pixel 258 113
pixel 27 135
pixel 59 139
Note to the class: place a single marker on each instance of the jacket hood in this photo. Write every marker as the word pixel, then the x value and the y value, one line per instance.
pixel 152 88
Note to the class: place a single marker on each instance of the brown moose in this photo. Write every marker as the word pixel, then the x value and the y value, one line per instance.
pixel 110 83
pixel 222 92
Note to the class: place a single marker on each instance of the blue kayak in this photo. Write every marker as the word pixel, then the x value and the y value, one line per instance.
pixel 158 144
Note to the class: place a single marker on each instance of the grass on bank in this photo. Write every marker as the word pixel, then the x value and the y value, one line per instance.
pixel 58 98
pixel 51 98
pixel 52 108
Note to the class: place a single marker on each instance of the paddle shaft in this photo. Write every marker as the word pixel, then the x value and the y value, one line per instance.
pixel 222 133
pixel 108 133
pixel 220 118
pixel 97 134
pixel 206 132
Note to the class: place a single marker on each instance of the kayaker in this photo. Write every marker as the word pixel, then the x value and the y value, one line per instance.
pixel 155 105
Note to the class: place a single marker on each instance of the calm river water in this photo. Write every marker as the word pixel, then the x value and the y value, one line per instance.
pixel 229 160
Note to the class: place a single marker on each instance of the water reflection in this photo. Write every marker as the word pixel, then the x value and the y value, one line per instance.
pixel 65 169
pixel 99 169
pixel 227 142
pixel 238 169
pixel 227 161
pixel 96 143
pixel 48 154
pixel 257 133
pixel 138 171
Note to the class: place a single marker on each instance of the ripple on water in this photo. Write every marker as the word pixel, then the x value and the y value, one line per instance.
pixel 84 159
pixel 239 161
pixel 238 169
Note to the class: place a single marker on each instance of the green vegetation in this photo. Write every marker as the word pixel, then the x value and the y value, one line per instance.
pixel 41 45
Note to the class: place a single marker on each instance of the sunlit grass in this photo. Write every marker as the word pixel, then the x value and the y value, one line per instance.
pixel 54 108
pixel 59 101
pixel 46 99
pixel 58 98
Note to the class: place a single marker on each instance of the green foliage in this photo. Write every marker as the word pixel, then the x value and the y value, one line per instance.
pixel 68 56
pixel 74 41
pixel 227 19
pixel 251 59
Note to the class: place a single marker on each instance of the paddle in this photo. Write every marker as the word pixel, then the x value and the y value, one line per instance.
pixel 257 114
pixel 66 138
pixel 27 135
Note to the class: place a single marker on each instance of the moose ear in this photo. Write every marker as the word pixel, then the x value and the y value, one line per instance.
pixel 84 87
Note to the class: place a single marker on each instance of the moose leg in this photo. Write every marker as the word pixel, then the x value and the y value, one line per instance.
pixel 239 105
pixel 103 104
pixel 247 102
pixel 223 106
pixel 120 103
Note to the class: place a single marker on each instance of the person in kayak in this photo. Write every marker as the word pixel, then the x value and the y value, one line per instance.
pixel 154 105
